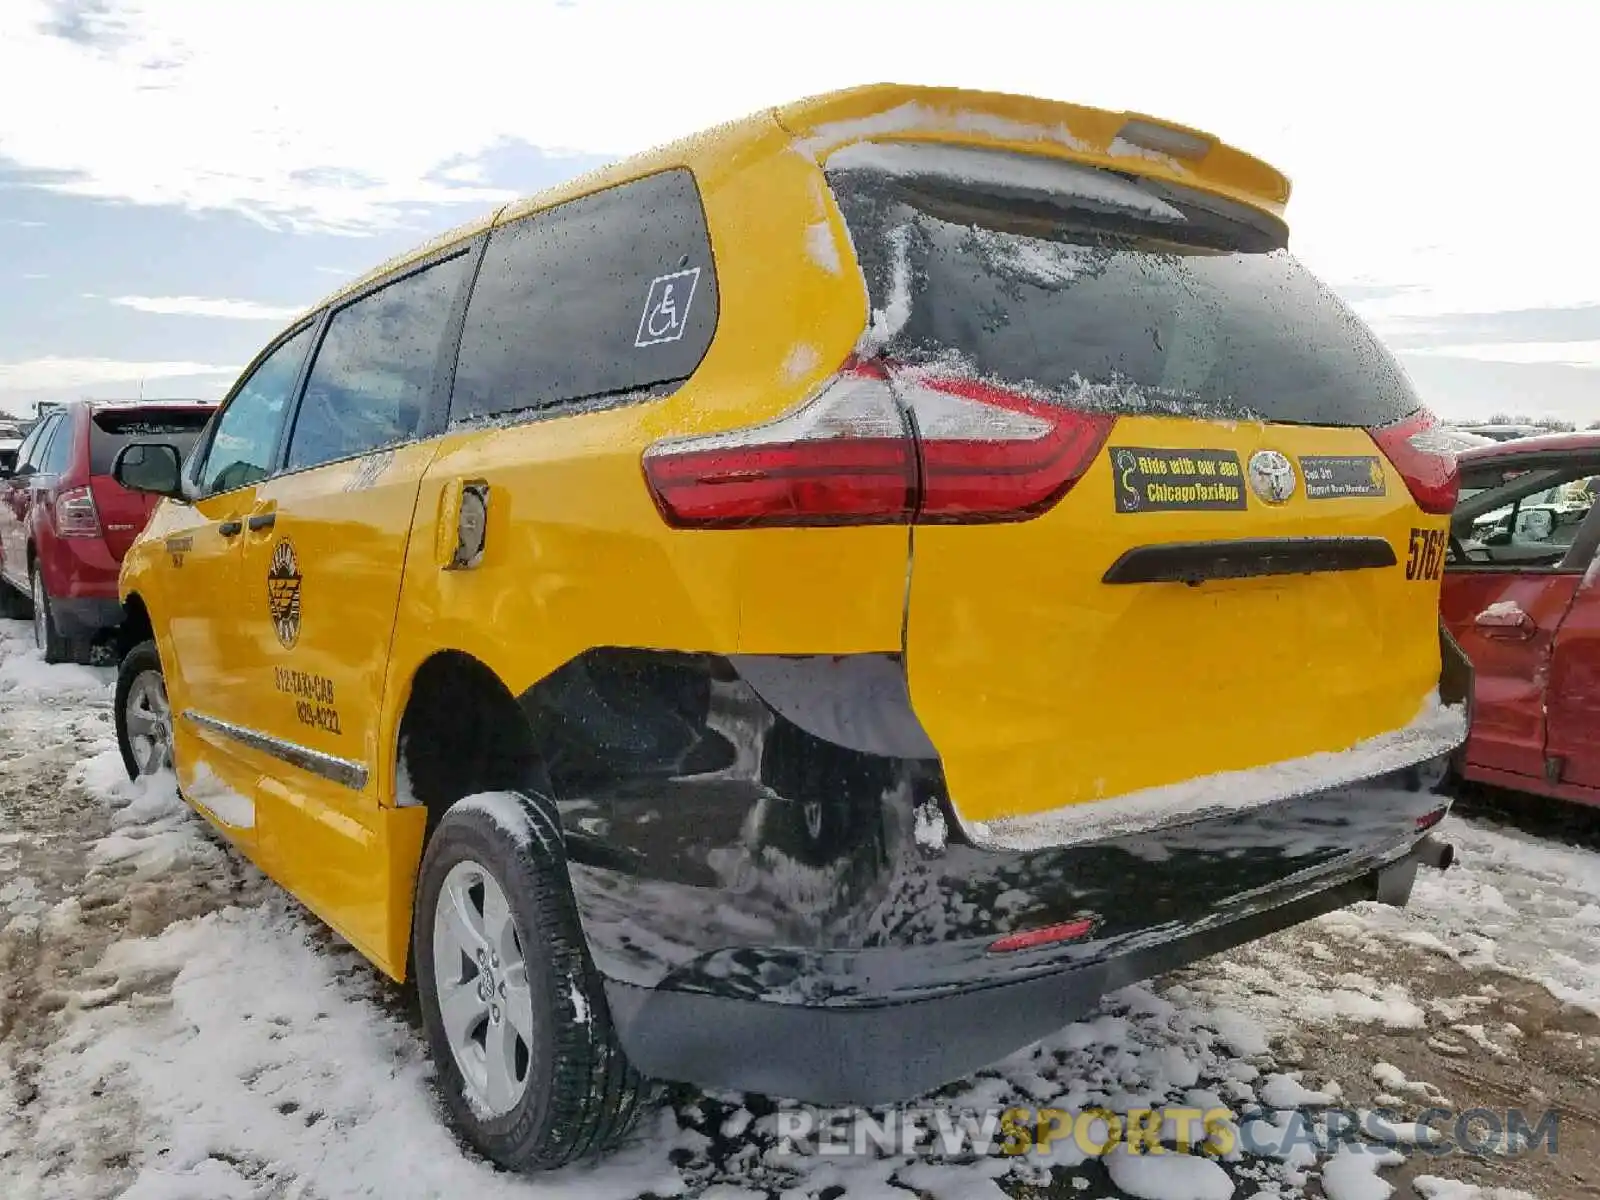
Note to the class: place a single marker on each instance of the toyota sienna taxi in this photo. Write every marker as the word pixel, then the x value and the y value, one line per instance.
pixel 810 608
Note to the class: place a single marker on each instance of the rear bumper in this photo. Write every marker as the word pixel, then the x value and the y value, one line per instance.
pixel 78 569
pixel 883 1053
pixel 84 616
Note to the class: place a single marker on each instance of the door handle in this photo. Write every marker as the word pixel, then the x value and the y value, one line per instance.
pixel 230 528
pixel 264 520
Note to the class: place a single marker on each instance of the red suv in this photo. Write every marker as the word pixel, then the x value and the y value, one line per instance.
pixel 65 523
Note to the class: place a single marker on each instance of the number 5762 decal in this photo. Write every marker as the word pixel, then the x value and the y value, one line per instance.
pixel 1426 560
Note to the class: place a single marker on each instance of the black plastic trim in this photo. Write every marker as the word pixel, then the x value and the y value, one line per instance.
pixel 890 1052
pixel 1248 558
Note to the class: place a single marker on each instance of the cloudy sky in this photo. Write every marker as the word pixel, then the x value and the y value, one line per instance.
pixel 177 177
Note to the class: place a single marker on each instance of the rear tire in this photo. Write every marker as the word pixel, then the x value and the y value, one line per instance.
pixel 55 647
pixel 528 1061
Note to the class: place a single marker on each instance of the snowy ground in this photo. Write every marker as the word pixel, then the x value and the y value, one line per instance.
pixel 173 1028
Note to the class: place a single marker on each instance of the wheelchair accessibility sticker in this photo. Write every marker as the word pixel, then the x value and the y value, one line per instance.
pixel 666 307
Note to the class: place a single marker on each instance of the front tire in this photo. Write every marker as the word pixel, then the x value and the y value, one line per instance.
pixel 143 713
pixel 529 1065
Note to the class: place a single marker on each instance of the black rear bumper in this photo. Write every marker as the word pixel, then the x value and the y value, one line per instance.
pixel 878 1054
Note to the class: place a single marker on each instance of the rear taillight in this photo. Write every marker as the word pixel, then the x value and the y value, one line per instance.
pixel 1422 453
pixel 76 515
pixel 881 445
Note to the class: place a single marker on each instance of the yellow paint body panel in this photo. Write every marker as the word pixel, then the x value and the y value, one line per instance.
pixel 1021 662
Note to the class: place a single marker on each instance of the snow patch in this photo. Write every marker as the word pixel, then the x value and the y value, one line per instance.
pixel 930 830
pixel 1168 1176
pixel 889 320
pixel 1352 1174
pixel 912 117
pixel 1286 1091
pixel 215 797
pixel 580 1003
pixel 505 809
pixel 1436 730
pixel 24 673
pixel 1513 903
pixel 1038 261
pixel 822 248
pixel 405 795
pixel 1007 171
pixel 1119 148
pixel 1501 608
pixel 1435 1187
pixel 801 360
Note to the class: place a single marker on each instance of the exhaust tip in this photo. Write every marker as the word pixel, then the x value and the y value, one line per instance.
pixel 1435 852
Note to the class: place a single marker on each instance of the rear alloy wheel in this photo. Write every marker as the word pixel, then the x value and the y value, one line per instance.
pixel 529 1066
pixel 144 715
pixel 54 647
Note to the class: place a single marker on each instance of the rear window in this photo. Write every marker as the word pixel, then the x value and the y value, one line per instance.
pixel 111 429
pixel 1108 294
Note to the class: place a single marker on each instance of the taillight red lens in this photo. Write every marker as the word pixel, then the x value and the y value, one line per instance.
pixel 1418 450
pixel 990 454
pixel 845 458
pixel 881 445
pixel 76 515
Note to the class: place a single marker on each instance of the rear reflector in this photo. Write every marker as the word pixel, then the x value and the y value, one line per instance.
pixel 76 515
pixel 1048 935
pixel 881 445
pixel 1417 448
pixel 1429 820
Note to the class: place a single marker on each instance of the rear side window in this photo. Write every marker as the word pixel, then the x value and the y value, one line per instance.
pixel 1108 295
pixel 28 452
pixel 593 300
pixel 110 429
pixel 57 453
pixel 374 372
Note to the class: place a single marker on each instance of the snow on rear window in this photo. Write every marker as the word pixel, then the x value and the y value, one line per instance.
pixel 1081 298
pixel 1002 171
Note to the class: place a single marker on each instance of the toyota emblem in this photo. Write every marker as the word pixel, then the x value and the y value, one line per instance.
pixel 1272 476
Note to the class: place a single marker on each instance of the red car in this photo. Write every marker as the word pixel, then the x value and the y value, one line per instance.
pixel 1522 597
pixel 65 523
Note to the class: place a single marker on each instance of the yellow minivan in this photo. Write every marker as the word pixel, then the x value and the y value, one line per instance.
pixel 810 608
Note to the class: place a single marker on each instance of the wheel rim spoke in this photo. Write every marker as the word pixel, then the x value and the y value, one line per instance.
pixel 517 1003
pixel 504 1086
pixel 462 1009
pixel 462 922
pixel 497 926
